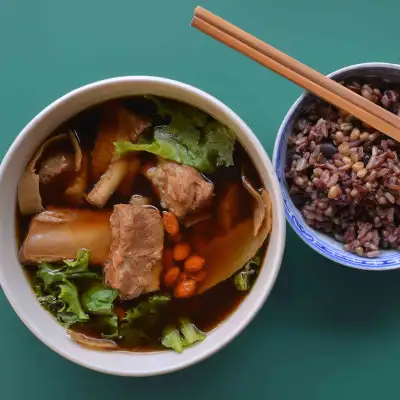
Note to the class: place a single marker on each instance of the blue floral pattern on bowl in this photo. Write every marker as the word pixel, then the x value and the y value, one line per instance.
pixel 322 243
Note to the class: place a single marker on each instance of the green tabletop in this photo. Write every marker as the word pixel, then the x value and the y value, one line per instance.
pixel 326 331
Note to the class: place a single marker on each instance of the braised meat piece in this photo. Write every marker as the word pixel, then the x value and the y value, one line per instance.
pixel 181 188
pixel 134 262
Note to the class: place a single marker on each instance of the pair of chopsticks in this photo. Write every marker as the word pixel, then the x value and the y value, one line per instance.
pixel 304 76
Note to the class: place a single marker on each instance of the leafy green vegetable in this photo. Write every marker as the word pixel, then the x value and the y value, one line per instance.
pixel 190 333
pixel 152 305
pixel 50 274
pixel 63 291
pixel 99 300
pixel 140 322
pixel 187 139
pixel 244 279
pixel 72 269
pixel 172 339
pixel 170 108
pixel 56 291
pixel 219 143
pixel 132 336
pixel 80 264
pixel 109 324
pixel 72 310
pixel 49 301
pixel 186 335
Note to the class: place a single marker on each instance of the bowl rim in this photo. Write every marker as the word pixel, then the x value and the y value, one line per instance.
pixel 265 286
pixel 289 114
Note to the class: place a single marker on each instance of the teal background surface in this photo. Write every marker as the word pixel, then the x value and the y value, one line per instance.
pixel 326 332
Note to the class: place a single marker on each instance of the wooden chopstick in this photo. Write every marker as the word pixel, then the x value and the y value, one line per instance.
pixel 287 67
pixel 296 65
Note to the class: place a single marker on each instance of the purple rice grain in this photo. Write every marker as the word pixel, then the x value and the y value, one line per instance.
pixel 345 176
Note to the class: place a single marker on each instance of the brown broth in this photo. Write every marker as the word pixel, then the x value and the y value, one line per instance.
pixel 211 308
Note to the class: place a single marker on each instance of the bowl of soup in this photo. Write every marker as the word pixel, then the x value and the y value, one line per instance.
pixel 142 225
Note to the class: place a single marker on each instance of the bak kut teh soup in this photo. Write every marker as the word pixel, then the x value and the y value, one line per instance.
pixel 143 224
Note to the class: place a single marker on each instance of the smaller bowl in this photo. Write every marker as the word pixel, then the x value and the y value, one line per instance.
pixel 321 242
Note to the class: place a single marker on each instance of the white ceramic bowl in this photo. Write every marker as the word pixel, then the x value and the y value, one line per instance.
pixel 322 243
pixel 15 284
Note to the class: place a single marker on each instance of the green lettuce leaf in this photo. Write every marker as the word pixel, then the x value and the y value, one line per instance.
pixel 187 139
pixel 152 305
pixel 144 322
pixel 109 324
pixel 48 301
pixel 56 291
pixel 79 268
pixel 72 311
pixel 171 108
pixel 80 264
pixel 185 336
pixel 190 333
pixel 99 300
pixel 172 339
pixel 50 274
pixel 73 269
pixel 244 279
pixel 219 142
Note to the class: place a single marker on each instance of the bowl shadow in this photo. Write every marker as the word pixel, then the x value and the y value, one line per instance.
pixel 314 289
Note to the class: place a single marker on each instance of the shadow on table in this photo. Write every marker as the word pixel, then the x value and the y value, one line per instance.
pixel 312 288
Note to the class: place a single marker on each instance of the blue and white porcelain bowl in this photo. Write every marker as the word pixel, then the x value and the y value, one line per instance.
pixel 322 243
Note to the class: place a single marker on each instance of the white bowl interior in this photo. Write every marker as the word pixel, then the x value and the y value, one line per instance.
pixel 15 284
pixel 321 242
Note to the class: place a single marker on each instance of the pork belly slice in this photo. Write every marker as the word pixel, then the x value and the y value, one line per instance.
pixel 58 233
pixel 134 262
pixel 181 188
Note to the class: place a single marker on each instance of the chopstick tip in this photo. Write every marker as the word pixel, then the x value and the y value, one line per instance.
pixel 197 9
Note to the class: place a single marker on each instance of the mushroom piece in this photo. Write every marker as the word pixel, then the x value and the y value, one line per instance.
pixel 112 178
pixel 241 242
pixel 28 191
pixel 229 206
pixel 194 219
pixel 259 206
pixel 75 192
pixel 93 343
pixel 138 200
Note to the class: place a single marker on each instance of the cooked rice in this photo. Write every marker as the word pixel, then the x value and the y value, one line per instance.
pixel 345 176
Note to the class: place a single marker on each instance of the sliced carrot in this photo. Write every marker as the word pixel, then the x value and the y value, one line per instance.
pixel 168 259
pixel 171 276
pixel 194 264
pixel 181 251
pixel 171 223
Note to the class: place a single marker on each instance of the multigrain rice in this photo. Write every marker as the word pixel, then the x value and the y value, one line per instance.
pixel 345 176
